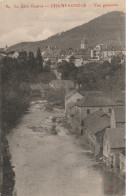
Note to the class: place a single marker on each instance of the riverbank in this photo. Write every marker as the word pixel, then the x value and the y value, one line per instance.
pixel 47 165
pixel 84 144
pixel 8 173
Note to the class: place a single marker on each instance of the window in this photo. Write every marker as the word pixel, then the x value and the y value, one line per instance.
pixel 88 111
pixel 82 123
pixel 109 110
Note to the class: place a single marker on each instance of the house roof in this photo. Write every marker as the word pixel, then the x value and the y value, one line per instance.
pixel 97 121
pixel 94 100
pixel 114 48
pixel 44 86
pixel 119 114
pixel 116 137
pixel 62 84
pixel 85 93
pixel 72 92
pixel 117 97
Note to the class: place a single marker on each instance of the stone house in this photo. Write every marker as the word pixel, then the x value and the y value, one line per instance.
pixel 118 117
pixel 96 53
pixel 13 54
pixel 102 51
pixel 90 104
pixel 93 128
pixel 113 143
pixel 119 162
pixel 70 99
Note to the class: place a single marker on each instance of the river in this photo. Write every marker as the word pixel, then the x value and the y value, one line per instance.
pixel 55 165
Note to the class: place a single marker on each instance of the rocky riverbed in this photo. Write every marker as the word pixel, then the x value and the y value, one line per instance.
pixel 47 164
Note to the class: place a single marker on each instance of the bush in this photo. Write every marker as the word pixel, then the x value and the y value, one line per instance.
pixel 53 130
pixel 54 119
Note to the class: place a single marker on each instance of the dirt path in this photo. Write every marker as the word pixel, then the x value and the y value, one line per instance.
pixel 51 165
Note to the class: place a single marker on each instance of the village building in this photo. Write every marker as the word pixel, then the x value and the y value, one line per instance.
pixel 71 98
pixel 104 52
pixel 89 104
pixel 114 148
pixel 118 111
pixel 93 128
pixel 118 117
pixel 13 54
pixel 62 84
pixel 97 52
pixel 84 43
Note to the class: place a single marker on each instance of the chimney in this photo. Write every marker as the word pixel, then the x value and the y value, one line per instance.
pixel 112 119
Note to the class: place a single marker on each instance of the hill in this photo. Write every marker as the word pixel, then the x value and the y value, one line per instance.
pixel 106 29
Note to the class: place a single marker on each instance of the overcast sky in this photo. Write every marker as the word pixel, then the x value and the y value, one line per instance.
pixel 33 24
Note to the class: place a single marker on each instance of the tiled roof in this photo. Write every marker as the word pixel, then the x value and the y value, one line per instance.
pixel 94 100
pixel 72 92
pixel 85 93
pixel 97 121
pixel 114 48
pixel 116 137
pixel 117 97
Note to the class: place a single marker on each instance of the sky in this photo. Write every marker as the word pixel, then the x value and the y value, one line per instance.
pixel 34 24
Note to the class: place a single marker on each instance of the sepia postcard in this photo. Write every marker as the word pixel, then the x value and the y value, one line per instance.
pixel 62 98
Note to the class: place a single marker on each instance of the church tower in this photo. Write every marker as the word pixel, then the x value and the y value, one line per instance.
pixel 84 43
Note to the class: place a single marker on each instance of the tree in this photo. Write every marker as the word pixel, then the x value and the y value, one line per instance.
pixel 47 65
pixel 22 56
pixel 39 60
pixel 65 68
pixel 31 60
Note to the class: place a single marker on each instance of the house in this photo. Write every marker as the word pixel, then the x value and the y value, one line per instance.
pixel 113 146
pixel 93 128
pixel 102 51
pixel 118 117
pixel 96 53
pixel 13 54
pixel 71 98
pixel 62 84
pixel 118 112
pixel 92 102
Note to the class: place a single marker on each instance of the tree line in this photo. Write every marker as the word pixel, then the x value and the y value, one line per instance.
pixel 105 76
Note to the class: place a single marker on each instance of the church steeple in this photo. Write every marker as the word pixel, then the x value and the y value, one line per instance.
pixel 84 43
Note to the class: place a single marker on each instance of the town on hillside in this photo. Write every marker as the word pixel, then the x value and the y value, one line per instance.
pixel 63 121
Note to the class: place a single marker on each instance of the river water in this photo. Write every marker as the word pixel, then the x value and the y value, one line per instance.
pixel 55 165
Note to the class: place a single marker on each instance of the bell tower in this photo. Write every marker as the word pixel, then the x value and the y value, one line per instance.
pixel 84 43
